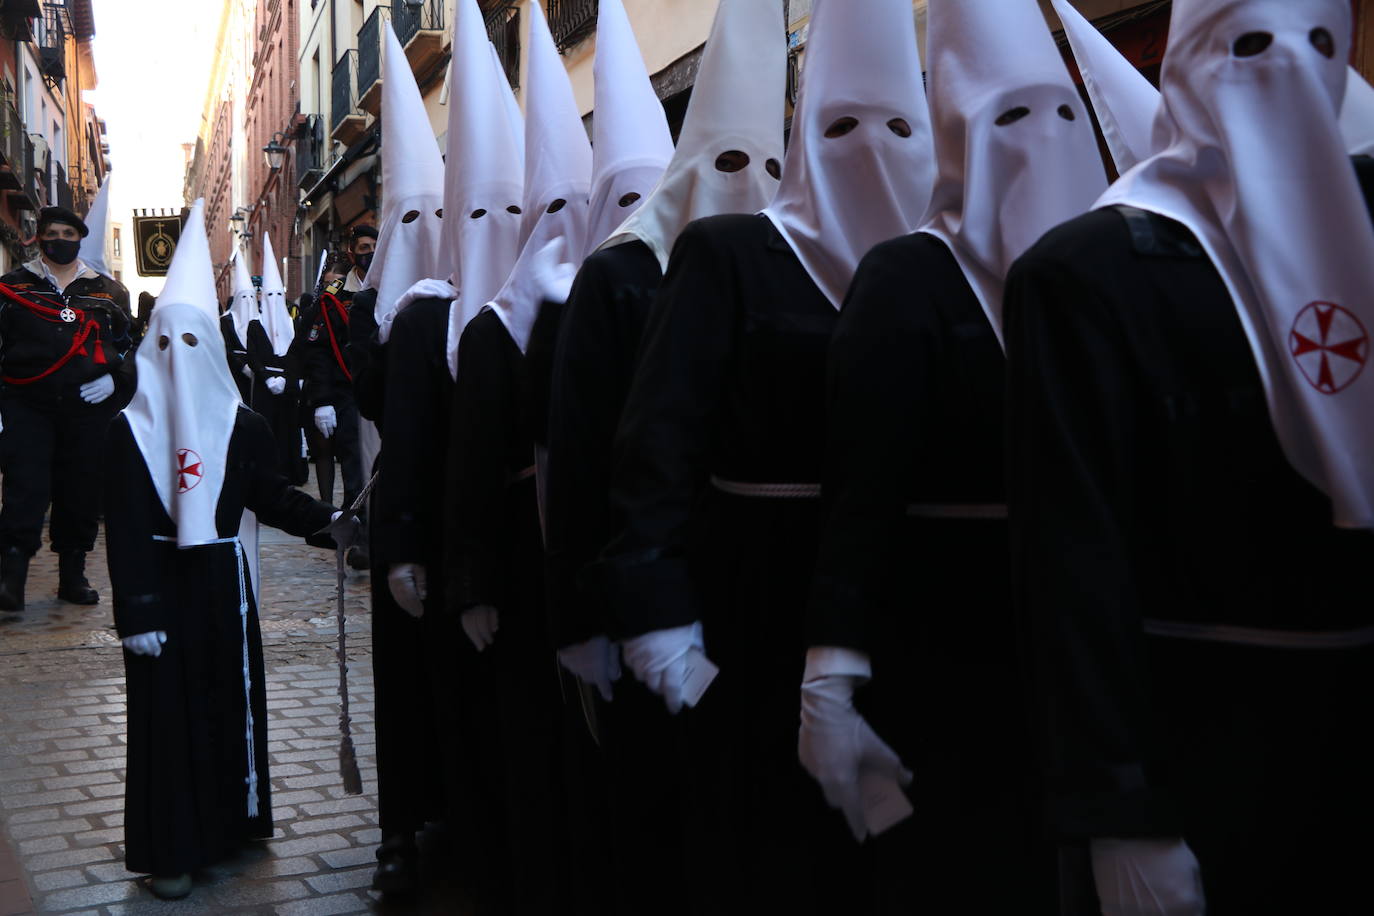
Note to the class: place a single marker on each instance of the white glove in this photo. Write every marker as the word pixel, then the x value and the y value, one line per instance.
pixel 407 583
pixel 552 274
pixel 97 390
pixel 595 662
pixel 2 424
pixel 835 743
pixel 659 660
pixel 481 623
pixel 1147 877
pixel 326 421
pixel 149 643
pixel 276 384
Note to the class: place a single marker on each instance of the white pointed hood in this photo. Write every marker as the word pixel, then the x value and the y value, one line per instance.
pixel 412 185
pixel 97 220
pixel 1357 115
pixel 1014 146
pixel 243 307
pixel 738 105
pixel 276 320
pixel 513 115
pixel 631 142
pixel 1123 99
pixel 843 194
pixel 558 174
pixel 1297 253
pixel 182 415
pixel 483 188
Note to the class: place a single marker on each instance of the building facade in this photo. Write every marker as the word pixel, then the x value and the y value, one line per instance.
pixel 52 144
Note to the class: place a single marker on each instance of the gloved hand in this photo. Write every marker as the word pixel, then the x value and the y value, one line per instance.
pixel 481 623
pixel 595 662
pixel 552 273
pixel 659 660
pixel 97 390
pixel 326 421
pixel 276 384
pixel 1147 877
pixel 407 583
pixel 149 643
pixel 835 743
pixel 247 370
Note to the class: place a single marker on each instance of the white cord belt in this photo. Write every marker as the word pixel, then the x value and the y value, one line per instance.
pixel 957 510
pixel 240 561
pixel 1269 639
pixel 767 490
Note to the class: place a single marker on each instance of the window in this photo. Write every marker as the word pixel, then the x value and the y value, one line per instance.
pixel 117 252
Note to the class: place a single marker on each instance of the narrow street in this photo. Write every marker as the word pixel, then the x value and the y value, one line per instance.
pixel 62 733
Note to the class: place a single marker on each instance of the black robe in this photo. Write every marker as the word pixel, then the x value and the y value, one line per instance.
pixel 512 704
pixel 412 660
pixel 236 355
pixel 1150 496
pixel 186 795
pixel 280 410
pixel 598 334
pixel 913 571
pixel 730 385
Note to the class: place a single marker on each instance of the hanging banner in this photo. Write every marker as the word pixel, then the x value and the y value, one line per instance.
pixel 156 233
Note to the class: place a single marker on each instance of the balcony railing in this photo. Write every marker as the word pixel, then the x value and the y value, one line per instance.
pixel 503 28
pixel 344 97
pixel 410 17
pixel 309 151
pixel 571 20
pixel 370 50
pixel 16 149
pixel 52 42
pixel 63 189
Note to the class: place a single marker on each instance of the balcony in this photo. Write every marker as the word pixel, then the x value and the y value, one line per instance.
pixel 346 122
pixel 419 26
pixel 16 158
pixel 63 189
pixel 370 61
pixel 310 152
pixel 570 21
pixel 503 28
pixel 52 43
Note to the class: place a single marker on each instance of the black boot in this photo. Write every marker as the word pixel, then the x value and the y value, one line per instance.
pixel 14 572
pixel 71 579
pixel 398 866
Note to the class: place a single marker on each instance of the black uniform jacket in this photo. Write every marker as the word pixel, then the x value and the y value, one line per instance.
pixel 327 369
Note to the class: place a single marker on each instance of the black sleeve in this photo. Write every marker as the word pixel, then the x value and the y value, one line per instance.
pixel 260 354
pixel 267 491
pixel 138 572
pixel 234 351
pixel 1072 399
pixel 319 363
pixel 538 366
pixel 882 381
pixel 367 357
pixel 484 404
pixel 416 405
pixel 585 391
pixel 664 440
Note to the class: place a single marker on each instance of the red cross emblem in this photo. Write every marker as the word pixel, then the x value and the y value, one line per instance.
pixel 189 470
pixel 67 315
pixel 1329 345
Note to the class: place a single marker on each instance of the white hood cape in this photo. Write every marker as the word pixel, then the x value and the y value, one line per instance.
pixel 1253 161
pixel 243 307
pixel 860 166
pixel 92 252
pixel 276 320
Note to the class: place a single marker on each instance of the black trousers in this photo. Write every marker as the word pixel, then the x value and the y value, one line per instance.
pixel 348 448
pixel 51 454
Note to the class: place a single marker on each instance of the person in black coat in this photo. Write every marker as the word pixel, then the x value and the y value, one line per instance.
pixel 64 336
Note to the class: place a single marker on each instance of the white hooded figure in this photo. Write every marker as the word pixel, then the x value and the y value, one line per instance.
pixel 1357 115
pixel 631 142
pixel 860 165
pixel 729 154
pixel 1297 257
pixel 276 320
pixel 92 252
pixel 1015 150
pixel 243 306
pixel 558 171
pixel 412 222
pixel 483 185
pixel 1122 98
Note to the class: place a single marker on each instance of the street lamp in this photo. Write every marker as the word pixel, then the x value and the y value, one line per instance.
pixel 237 220
pixel 275 152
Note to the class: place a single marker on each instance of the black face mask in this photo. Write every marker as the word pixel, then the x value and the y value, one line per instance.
pixel 363 261
pixel 60 251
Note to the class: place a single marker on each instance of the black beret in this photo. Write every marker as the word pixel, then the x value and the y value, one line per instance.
pixel 359 232
pixel 49 215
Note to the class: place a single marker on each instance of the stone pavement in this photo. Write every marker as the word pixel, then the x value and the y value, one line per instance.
pixel 62 758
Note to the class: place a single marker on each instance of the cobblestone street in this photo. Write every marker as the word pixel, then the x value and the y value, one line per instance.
pixel 62 728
